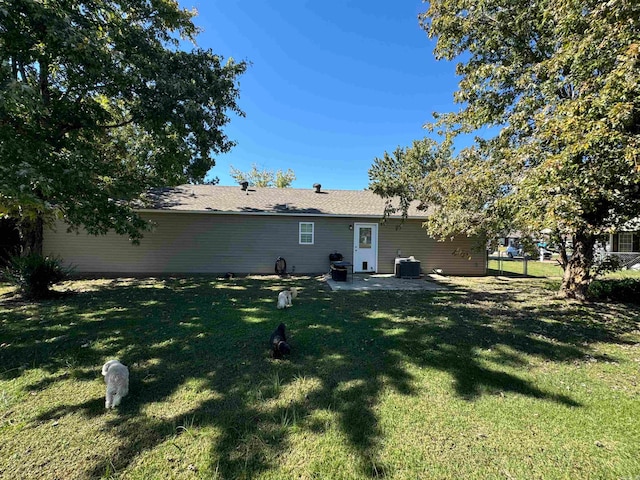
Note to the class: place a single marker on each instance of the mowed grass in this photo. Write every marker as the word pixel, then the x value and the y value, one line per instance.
pixel 535 268
pixel 490 378
pixel 547 269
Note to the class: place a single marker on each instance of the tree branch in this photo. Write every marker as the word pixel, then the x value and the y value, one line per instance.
pixel 14 69
pixel 44 82
pixel 116 125
pixel 23 72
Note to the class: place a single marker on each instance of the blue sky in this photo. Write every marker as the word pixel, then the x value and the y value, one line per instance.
pixel 332 84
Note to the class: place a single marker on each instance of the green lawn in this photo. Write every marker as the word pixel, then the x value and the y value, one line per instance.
pixel 492 378
pixel 516 266
pixel 548 269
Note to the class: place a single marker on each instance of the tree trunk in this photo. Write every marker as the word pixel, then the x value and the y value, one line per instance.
pixel 577 273
pixel 31 236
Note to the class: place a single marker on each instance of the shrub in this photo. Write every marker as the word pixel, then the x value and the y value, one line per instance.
pixel 609 263
pixel 616 290
pixel 35 274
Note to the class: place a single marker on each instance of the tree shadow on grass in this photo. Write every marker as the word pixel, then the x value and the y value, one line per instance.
pixel 354 346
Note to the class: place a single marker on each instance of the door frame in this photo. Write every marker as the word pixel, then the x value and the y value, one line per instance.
pixel 374 242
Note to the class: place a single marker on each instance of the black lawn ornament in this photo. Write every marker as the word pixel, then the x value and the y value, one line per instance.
pixel 281 266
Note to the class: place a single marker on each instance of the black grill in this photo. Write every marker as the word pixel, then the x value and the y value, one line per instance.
pixel 335 257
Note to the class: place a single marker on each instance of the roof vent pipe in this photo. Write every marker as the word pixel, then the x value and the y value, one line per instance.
pixel 244 185
pixel 317 186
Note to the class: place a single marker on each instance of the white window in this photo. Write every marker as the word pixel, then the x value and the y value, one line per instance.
pixel 305 230
pixel 625 242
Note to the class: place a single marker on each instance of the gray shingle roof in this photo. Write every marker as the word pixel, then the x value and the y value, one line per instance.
pixel 285 201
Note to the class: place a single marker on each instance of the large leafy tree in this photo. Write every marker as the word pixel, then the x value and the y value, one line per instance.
pixel 257 177
pixel 557 83
pixel 99 102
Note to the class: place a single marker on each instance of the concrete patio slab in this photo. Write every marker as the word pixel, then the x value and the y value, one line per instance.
pixel 364 282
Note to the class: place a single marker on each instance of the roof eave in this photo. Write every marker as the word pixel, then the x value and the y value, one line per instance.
pixel 279 214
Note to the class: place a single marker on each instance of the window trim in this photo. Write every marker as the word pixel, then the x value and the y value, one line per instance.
pixel 312 233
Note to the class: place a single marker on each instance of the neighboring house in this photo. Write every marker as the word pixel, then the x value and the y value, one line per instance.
pixel 216 229
pixel 511 239
pixel 626 245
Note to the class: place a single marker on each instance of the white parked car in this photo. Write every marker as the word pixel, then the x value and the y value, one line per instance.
pixel 545 254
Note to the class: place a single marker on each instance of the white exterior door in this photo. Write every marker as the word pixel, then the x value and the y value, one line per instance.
pixel 365 247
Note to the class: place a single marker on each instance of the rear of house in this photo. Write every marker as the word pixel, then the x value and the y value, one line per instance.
pixel 213 229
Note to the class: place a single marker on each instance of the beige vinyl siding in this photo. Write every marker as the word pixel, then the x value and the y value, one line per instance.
pixel 244 244
pixel 204 243
pixel 409 238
